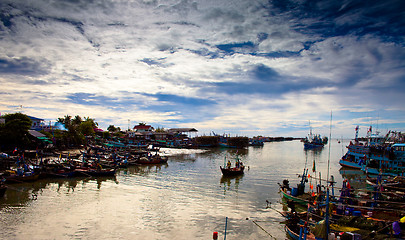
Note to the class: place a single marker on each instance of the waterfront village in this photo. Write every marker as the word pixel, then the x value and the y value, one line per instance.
pixel 75 146
pixel 30 140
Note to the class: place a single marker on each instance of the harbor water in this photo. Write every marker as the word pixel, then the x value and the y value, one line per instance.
pixel 187 198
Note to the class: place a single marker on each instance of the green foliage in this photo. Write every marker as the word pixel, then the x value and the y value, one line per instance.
pixel 159 129
pixel 106 135
pixel 77 130
pixel 15 130
pixel 112 128
pixel 86 128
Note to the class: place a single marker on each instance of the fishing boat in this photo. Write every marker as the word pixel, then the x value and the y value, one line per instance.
pixel 360 150
pixel 314 141
pixel 391 183
pixel 389 161
pixel 296 232
pixel 376 154
pixel 153 159
pixel 256 142
pixel 19 177
pixel 95 172
pixel 229 171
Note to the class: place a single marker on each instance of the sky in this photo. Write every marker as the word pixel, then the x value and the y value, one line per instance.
pixel 244 68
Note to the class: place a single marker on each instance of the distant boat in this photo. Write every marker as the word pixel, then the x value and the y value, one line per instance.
pixel 314 141
pixel 256 142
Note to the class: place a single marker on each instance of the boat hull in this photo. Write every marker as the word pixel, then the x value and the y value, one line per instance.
pixel 298 200
pixel 349 164
pixel 229 172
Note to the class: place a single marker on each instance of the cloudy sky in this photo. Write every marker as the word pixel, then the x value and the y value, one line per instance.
pixel 237 67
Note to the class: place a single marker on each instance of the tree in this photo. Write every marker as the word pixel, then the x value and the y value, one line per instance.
pixel 86 128
pixel 159 129
pixel 15 130
pixel 112 128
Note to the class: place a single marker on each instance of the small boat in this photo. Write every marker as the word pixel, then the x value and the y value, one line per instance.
pixel 229 171
pixel 26 177
pixel 294 232
pixel 95 172
pixel 155 159
pixel 232 171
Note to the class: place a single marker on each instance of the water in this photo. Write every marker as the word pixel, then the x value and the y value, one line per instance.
pixel 186 199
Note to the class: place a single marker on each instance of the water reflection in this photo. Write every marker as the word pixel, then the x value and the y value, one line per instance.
pixel 178 200
pixel 22 193
pixel 227 182
pixel 143 170
pixel 356 178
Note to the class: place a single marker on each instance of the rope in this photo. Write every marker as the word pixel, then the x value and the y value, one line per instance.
pixel 263 229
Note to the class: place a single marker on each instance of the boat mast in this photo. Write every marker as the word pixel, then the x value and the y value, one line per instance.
pixel 327 182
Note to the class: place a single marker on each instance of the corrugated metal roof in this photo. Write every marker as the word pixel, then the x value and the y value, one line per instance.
pixel 36 134
pixel 179 130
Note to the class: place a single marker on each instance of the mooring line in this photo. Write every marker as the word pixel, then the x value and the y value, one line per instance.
pixel 263 229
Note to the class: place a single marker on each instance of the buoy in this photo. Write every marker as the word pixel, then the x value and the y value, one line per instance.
pixel 215 236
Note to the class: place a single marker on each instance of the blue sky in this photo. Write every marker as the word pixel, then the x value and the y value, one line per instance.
pixel 238 67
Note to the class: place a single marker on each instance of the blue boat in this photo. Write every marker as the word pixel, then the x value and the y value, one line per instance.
pixel 359 151
pixel 389 162
pixel 376 154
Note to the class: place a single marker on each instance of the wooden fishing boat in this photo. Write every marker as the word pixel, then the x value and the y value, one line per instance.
pixel 155 159
pixel 301 199
pixel 395 183
pixel 62 173
pixel 229 172
pixel 14 178
pixel 294 232
pixel 95 172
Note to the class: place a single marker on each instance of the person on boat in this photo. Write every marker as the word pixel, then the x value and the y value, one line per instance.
pixel 228 165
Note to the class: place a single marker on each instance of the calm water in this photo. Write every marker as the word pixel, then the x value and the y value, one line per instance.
pixel 185 199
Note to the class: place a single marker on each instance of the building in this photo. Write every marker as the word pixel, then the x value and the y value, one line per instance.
pixel 36 123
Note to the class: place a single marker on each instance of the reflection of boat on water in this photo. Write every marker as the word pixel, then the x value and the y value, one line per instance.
pixel 351 173
pixel 229 182
pixel 356 177
pixel 228 179
pixel 3 189
pixel 143 169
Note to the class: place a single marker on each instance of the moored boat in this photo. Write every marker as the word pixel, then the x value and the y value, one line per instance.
pixel 95 172
pixel 154 159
